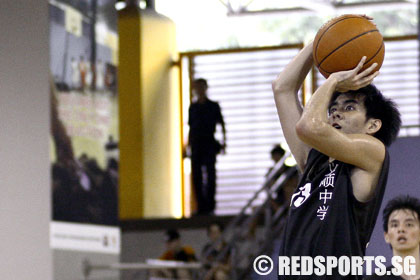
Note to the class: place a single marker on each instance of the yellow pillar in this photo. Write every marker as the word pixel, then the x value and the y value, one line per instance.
pixel 150 125
pixel 131 184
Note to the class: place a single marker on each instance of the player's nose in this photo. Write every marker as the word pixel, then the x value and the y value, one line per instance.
pixel 337 115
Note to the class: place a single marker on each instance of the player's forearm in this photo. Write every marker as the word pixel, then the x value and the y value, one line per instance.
pixel 293 75
pixel 314 116
pixel 224 133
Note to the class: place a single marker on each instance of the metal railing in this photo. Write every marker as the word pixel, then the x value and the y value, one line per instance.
pixel 240 226
pixel 274 220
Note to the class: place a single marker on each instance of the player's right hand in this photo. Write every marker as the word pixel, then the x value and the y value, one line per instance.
pixel 352 79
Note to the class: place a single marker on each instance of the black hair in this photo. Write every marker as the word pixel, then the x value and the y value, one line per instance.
pixel 171 235
pixel 112 164
pixel 216 223
pixel 378 107
pixel 277 149
pixel 397 203
pixel 201 81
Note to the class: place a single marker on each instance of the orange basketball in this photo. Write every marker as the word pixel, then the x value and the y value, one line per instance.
pixel 341 43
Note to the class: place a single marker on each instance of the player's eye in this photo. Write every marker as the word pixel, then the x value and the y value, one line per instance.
pixel 409 225
pixel 332 110
pixel 394 225
pixel 349 108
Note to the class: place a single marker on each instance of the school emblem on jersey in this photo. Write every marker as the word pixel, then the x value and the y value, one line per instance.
pixel 301 196
pixel 328 184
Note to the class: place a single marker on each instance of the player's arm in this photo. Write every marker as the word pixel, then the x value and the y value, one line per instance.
pixel 222 124
pixel 361 150
pixel 289 109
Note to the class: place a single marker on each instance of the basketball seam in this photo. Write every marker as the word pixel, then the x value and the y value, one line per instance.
pixel 382 45
pixel 360 35
pixel 317 43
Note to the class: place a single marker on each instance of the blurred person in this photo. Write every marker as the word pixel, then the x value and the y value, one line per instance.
pixel 103 206
pixel 83 68
pixel 277 152
pixel 283 194
pixel 339 142
pixel 401 224
pixel 100 75
pixel 246 247
pixel 204 115
pixel 75 74
pixel 88 75
pixel 175 251
pixel 215 254
pixel 62 184
pixel 112 169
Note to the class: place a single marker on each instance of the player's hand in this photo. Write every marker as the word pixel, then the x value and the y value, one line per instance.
pixel 366 16
pixel 369 18
pixel 352 79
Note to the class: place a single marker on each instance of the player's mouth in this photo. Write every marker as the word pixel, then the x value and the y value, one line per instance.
pixel 336 125
pixel 402 239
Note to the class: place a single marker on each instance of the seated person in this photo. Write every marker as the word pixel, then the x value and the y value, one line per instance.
pixel 283 194
pixel 401 223
pixel 216 255
pixel 175 251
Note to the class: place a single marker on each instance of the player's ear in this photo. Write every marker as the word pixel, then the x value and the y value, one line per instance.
pixel 386 237
pixel 374 125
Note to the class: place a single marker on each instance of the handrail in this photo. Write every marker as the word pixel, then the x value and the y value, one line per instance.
pixel 273 223
pixel 151 264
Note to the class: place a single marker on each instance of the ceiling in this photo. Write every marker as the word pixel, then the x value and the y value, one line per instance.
pixel 241 7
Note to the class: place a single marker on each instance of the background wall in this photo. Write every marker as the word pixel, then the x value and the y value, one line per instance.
pixel 24 125
pixel 68 265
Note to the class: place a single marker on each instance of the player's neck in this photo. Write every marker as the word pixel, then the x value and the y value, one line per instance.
pixel 416 255
pixel 202 99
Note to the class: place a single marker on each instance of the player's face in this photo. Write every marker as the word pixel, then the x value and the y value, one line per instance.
pixel 348 114
pixel 403 230
pixel 214 233
pixel 200 89
pixel 173 245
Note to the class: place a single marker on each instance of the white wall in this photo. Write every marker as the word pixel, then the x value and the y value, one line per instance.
pixel 24 131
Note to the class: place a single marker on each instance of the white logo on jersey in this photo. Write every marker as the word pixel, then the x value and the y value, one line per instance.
pixel 302 195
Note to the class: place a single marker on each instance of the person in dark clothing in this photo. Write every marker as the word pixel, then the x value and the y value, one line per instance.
pixel 175 251
pixel 216 255
pixel 204 115
pixel 339 142
pixel 401 224
pixel 282 195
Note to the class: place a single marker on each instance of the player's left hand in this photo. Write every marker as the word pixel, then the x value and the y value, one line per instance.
pixel 352 79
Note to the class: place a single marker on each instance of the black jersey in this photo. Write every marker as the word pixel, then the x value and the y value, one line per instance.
pixel 325 219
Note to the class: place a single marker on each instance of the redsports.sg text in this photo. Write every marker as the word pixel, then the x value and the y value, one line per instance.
pixel 355 265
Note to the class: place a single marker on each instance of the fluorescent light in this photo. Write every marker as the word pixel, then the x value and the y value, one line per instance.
pixel 142 4
pixel 119 5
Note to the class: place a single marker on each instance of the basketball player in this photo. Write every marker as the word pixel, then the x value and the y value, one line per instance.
pixel 339 142
pixel 401 223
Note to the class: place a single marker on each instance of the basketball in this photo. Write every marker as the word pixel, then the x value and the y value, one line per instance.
pixel 341 43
